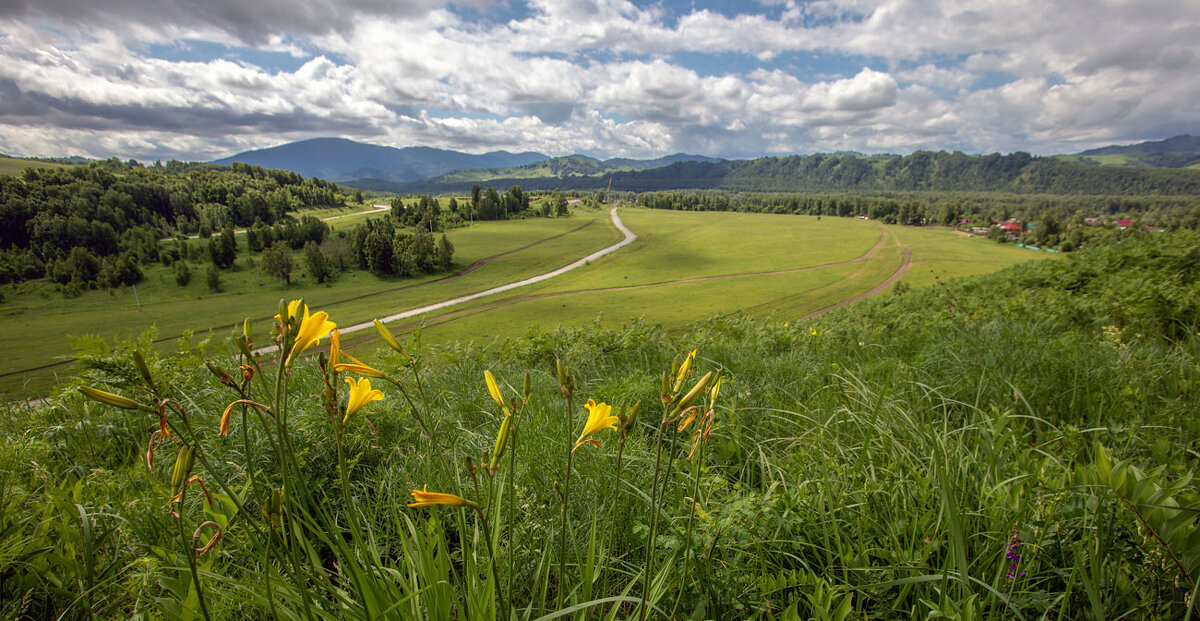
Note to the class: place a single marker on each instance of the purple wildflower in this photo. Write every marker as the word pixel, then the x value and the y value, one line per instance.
pixel 1013 555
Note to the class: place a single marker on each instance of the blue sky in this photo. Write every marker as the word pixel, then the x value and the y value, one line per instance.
pixel 186 80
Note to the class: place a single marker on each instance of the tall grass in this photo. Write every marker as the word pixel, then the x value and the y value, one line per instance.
pixel 1012 447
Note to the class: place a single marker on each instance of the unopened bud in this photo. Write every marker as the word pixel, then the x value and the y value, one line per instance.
pixel 525 388
pixel 243 346
pixel 501 443
pixel 221 374
pixel 387 337
pixel 629 419
pixel 117 401
pixel 716 389
pixel 564 374
pixel 695 392
pixel 183 469
pixel 248 330
pixel 140 363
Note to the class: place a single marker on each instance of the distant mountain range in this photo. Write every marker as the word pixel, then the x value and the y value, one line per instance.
pixel 1118 170
pixel 1178 152
pixel 367 165
pixel 338 159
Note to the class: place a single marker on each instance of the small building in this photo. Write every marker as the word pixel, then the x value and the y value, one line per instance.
pixel 1124 224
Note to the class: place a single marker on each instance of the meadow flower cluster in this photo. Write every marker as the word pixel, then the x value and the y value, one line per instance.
pixel 294 524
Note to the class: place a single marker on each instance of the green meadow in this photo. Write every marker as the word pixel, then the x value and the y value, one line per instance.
pixel 15 166
pixel 689 264
pixel 682 266
pixel 512 251
pixel 1013 445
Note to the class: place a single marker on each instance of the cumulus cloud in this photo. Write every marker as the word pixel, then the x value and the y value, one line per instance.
pixel 607 77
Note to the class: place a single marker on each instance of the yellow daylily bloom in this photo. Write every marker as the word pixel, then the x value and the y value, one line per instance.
pixel 494 390
pixel 360 395
pixel 599 418
pixel 335 346
pixel 312 329
pixel 425 498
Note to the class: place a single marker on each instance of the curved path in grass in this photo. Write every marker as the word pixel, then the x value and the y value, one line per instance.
pixel 629 238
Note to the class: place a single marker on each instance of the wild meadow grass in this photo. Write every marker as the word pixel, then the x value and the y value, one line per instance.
pixel 1014 446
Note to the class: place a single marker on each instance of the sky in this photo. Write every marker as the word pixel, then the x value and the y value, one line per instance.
pixel 200 80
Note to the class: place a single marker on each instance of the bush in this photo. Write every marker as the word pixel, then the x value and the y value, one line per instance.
pixel 183 273
pixel 213 276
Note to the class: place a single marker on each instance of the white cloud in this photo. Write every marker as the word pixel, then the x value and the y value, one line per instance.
pixel 601 76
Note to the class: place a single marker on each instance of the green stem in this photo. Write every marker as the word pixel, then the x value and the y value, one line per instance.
pixel 487 537
pixel 287 467
pixel 512 481
pixel 267 573
pixel 562 540
pixel 687 540
pixel 653 524
pixel 612 526
pixel 187 550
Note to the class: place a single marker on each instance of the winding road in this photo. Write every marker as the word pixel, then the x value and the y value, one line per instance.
pixel 629 238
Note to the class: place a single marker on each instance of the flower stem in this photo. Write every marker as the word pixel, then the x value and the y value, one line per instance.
pixel 562 541
pixel 653 523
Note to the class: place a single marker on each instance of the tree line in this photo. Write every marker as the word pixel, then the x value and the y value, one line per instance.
pixel 96 219
pixel 1060 220
pixel 921 171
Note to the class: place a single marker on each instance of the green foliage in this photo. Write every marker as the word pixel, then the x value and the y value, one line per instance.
pixel 212 276
pixel 919 171
pixel 183 273
pixel 900 458
pixel 277 262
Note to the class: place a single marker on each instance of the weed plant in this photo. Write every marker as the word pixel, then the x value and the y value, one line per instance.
pixel 1014 446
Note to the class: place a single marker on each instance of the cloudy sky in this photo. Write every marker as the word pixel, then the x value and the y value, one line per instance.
pixel 202 79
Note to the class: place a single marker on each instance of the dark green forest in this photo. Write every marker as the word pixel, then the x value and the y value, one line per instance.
pixel 921 171
pixel 95 223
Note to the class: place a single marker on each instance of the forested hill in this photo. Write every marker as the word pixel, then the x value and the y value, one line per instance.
pixel 923 170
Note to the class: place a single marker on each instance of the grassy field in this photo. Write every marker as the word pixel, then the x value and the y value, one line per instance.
pixel 1016 445
pixel 14 166
pixel 781 265
pixel 656 278
pixel 525 248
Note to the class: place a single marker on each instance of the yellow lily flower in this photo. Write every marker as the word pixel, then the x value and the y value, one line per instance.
pixel 599 418
pixel 425 498
pixel 312 329
pixel 335 346
pixel 494 390
pixel 360 395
